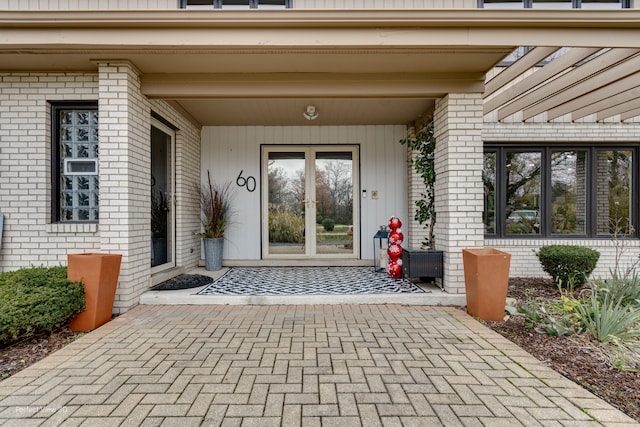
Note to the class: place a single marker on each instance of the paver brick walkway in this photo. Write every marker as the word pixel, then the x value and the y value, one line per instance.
pixel 322 365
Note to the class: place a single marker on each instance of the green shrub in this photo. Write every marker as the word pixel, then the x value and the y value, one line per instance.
pixel 568 265
pixel 35 301
pixel 328 224
pixel 285 227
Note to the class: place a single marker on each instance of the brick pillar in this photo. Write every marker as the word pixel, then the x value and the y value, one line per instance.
pixel 125 159
pixel 459 189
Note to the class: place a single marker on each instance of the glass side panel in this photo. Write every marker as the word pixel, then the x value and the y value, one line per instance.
pixel 569 192
pixel 614 191
pixel 489 180
pixel 523 192
pixel 286 203
pixel 334 202
pixel 161 223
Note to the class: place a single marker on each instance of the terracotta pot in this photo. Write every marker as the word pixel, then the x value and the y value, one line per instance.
pixel 486 278
pixel 99 275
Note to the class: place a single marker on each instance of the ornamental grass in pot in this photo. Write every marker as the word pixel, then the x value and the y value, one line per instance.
pixel 214 214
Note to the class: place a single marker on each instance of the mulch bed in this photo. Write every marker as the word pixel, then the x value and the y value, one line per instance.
pixel 25 353
pixel 578 358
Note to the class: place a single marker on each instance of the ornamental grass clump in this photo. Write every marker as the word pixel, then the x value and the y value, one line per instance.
pixel 612 314
pixel 568 265
pixel 37 301
pixel 214 208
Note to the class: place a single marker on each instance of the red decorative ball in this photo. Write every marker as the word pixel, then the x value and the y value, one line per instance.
pixel 396 237
pixel 394 223
pixel 395 252
pixel 395 270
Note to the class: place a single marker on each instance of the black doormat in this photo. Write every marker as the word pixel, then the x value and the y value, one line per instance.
pixel 307 281
pixel 184 281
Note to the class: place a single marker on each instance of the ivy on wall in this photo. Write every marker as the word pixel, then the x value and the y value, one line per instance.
pixel 423 144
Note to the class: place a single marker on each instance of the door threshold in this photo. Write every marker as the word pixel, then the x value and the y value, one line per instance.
pixel 325 262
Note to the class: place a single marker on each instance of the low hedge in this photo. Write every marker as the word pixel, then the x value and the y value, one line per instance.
pixel 568 265
pixel 36 301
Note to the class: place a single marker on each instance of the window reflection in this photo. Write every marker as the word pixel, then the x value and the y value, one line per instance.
pixel 489 180
pixel 568 192
pixel 614 191
pixel 523 192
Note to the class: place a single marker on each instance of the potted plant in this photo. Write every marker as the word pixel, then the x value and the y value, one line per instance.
pixel 426 262
pixel 214 209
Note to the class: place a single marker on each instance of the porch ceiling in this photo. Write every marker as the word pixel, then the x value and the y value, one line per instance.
pixel 356 66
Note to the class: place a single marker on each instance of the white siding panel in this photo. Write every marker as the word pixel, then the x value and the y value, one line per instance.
pixel 385 4
pixel 86 4
pixel 383 167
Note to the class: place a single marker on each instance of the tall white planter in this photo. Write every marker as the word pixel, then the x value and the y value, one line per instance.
pixel 213 253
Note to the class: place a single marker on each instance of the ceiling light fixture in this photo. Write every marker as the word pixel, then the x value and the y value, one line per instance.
pixel 310 113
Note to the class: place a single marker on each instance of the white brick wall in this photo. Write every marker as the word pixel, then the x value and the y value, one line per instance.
pixel 125 158
pixel 459 191
pixel 524 263
pixel 187 184
pixel 29 238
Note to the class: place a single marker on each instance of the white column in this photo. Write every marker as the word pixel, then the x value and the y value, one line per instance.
pixel 125 159
pixel 458 190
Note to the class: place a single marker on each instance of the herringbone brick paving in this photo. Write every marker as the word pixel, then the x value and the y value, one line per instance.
pixel 331 365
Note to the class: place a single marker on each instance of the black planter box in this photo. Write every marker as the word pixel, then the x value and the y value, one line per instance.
pixel 423 263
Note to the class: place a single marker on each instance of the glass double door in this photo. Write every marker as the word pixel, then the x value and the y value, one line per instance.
pixel 310 206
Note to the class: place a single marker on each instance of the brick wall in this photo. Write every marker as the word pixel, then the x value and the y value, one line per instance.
pixel 187 201
pixel 524 263
pixel 29 238
pixel 459 192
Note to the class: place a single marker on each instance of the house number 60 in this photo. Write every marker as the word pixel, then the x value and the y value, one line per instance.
pixel 249 182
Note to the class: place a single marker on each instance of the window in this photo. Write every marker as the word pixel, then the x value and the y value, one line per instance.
pixel 554 4
pixel 235 4
pixel 560 191
pixel 75 162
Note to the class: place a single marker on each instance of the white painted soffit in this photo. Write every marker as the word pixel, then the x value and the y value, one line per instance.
pixel 412 52
pixel 571 84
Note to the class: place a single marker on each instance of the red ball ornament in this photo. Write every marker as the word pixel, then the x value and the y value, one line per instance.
pixel 395 270
pixel 394 223
pixel 396 237
pixel 395 252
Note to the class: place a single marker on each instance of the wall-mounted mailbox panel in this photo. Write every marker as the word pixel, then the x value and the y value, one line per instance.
pixel 80 166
